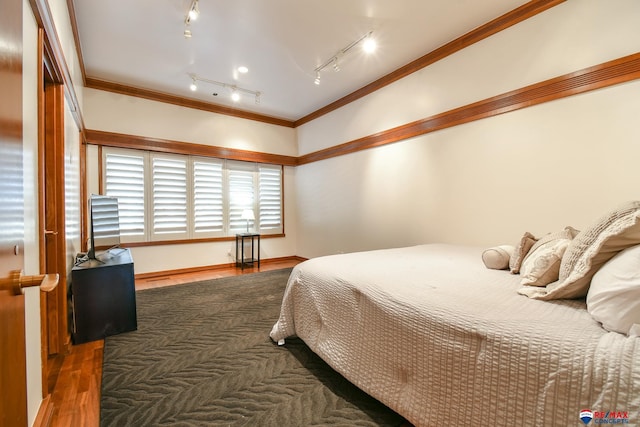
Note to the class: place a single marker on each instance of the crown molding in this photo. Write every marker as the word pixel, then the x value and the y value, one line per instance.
pixel 507 20
pixel 182 102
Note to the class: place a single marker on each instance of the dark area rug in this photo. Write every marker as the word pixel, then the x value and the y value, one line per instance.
pixel 202 356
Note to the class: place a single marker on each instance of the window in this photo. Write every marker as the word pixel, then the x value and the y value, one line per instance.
pixel 174 197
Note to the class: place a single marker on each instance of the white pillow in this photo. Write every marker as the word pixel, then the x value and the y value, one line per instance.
pixel 614 294
pixel 497 257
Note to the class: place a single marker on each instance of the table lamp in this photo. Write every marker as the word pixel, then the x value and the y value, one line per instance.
pixel 249 216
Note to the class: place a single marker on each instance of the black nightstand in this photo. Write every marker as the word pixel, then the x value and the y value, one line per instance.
pixel 241 261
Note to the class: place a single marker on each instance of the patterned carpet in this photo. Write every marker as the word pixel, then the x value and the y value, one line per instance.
pixel 202 357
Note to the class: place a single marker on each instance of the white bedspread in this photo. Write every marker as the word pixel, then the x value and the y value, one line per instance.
pixel 442 340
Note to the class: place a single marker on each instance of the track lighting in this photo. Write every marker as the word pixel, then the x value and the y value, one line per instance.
pixel 368 45
pixel 192 13
pixel 235 90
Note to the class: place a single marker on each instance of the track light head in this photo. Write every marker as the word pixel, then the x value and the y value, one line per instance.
pixel 193 86
pixel 369 44
pixel 235 96
pixel 192 13
pixel 194 10
pixel 187 33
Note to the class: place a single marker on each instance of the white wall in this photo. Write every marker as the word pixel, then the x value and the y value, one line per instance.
pixel 486 182
pixel 117 113
pixel 124 114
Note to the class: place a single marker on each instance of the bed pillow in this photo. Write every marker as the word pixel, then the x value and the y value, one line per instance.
pixel 521 250
pixel 614 294
pixel 541 265
pixel 590 249
pixel 497 257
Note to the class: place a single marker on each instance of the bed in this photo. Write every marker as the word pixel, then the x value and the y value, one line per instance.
pixel 436 336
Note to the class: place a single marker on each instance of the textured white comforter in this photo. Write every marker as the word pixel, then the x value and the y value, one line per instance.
pixel 442 340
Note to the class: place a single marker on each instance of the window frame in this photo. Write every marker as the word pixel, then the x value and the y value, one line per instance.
pixel 148 237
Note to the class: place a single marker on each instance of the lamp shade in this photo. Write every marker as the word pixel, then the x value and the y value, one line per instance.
pixel 248 214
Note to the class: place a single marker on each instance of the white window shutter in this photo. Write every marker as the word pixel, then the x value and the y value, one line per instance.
pixel 124 179
pixel 208 204
pixel 241 194
pixel 169 196
pixel 270 198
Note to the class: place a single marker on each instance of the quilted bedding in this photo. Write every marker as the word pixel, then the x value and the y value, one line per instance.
pixel 442 340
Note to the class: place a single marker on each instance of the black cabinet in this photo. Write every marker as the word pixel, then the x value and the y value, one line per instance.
pixel 103 296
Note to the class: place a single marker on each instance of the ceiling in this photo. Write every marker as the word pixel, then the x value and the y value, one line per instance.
pixel 141 44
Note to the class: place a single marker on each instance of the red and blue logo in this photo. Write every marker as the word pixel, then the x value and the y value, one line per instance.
pixel 586 416
pixel 604 417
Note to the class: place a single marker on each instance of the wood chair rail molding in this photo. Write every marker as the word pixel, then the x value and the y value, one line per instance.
pixel 599 76
pixel 607 74
pixel 110 139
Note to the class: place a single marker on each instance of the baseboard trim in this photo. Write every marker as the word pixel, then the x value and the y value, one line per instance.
pixel 45 413
pixel 211 267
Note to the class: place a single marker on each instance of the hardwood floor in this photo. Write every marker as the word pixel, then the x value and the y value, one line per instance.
pixel 76 378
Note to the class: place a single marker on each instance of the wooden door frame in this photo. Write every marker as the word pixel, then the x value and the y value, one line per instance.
pixel 51 205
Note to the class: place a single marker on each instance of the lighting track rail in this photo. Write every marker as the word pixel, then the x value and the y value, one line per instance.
pixel 235 89
pixel 368 45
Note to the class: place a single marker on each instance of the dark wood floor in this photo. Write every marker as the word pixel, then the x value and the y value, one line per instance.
pixel 75 379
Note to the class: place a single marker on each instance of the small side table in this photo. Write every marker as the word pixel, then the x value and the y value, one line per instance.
pixel 241 261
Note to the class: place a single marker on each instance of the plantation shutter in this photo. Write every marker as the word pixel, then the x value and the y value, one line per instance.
pixel 124 179
pixel 241 194
pixel 208 204
pixel 169 196
pixel 270 198
pixel 176 197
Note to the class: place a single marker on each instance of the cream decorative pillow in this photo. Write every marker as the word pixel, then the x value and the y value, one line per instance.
pixel 590 249
pixel 497 258
pixel 526 242
pixel 542 264
pixel 614 294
